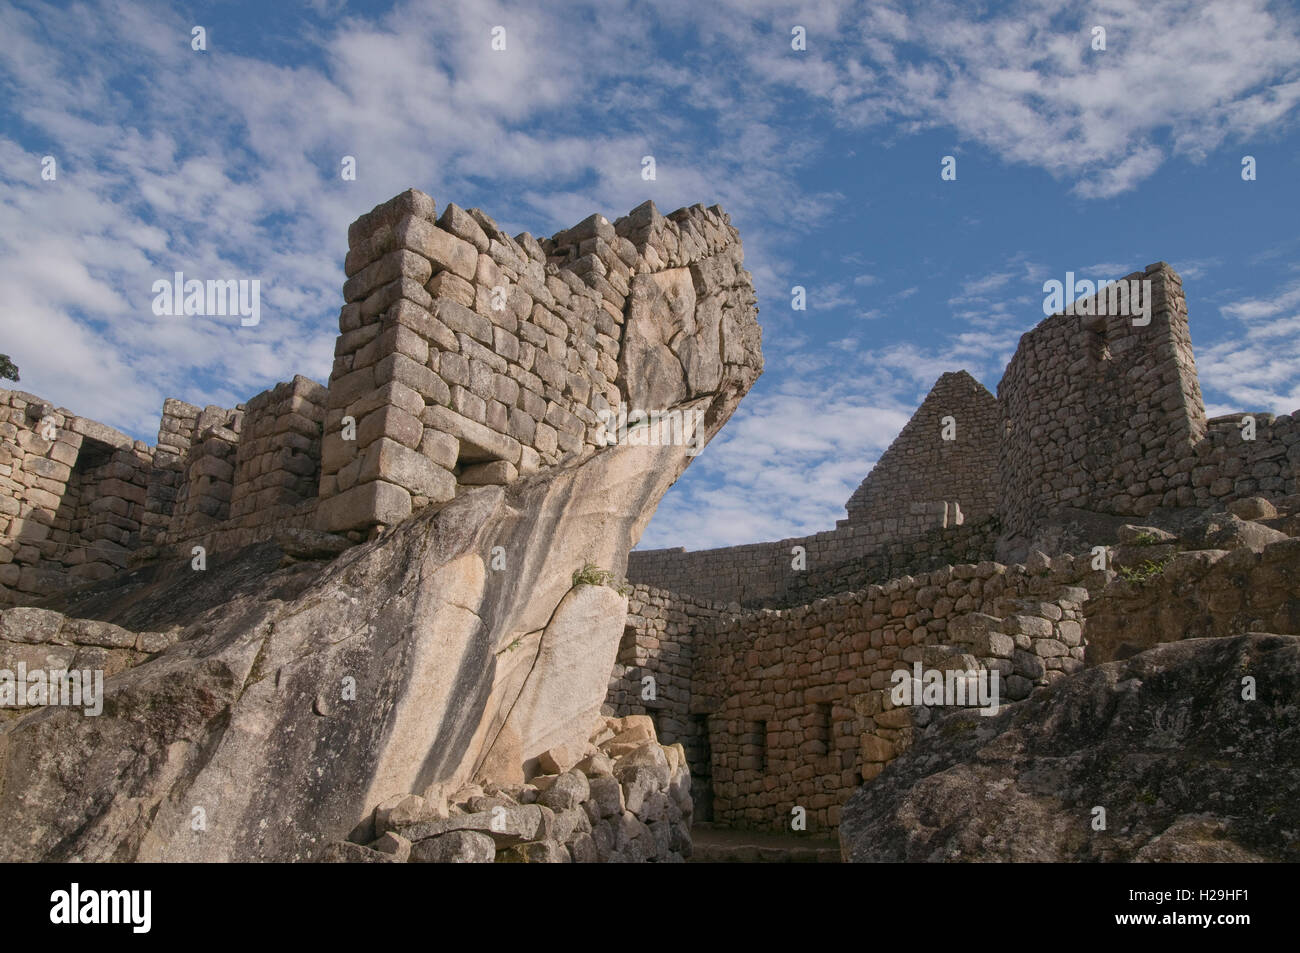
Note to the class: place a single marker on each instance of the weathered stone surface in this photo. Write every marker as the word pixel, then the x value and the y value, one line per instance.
pixel 454 847
pixel 569 790
pixel 541 852
pixel 561 758
pixel 346 853
pixel 663 304
pixel 403 810
pixel 455 670
pixel 1184 767
pixel 393 844
pixel 506 824
pixel 311 544
pixel 607 795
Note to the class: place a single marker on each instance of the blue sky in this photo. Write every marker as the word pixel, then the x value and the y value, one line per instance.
pixel 225 163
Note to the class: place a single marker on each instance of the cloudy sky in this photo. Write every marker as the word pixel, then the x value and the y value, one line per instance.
pixel 225 163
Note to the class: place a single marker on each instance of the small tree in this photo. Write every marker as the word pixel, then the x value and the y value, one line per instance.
pixel 8 369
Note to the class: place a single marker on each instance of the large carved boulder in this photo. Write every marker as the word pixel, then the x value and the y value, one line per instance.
pixel 305 688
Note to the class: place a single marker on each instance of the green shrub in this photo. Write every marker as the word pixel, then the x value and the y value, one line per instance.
pixel 1148 570
pixel 592 575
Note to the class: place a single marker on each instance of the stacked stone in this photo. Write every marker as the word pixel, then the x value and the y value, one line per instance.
pixel 1100 414
pixel 175 435
pixel 659 641
pixel 679 240
pixel 57 511
pixel 764 574
pixel 105 503
pixel 695 259
pixel 972 542
pixel 1228 467
pixel 278 459
pixel 624 798
pixel 205 492
pixel 784 689
pixel 1228 573
pixel 49 641
pixel 920 466
pixel 1034 644
pixel 34 474
pixel 468 357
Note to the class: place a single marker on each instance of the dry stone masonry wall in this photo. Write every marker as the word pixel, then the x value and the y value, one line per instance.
pixel 760 574
pixel 622 798
pixel 653 672
pixel 464 358
pixel 925 463
pixel 72 498
pixel 1096 416
pixel 790 697
pixel 467 356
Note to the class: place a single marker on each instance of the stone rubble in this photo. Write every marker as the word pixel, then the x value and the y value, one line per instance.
pixel 625 799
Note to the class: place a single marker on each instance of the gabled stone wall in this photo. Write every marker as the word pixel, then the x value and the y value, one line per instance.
pixel 922 465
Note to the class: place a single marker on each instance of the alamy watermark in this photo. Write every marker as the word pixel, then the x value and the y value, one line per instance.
pixel 78 688
pixel 230 296
pixel 76 906
pixel 965 688
pixel 655 428
pixel 1128 298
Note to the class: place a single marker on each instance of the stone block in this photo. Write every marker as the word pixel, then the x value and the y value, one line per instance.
pixel 488 474
pixel 399 339
pixel 391 422
pixel 441 248
pixel 400 368
pixel 364 505
pixel 876 749
pixel 461 319
pixel 399 263
pixel 411 202
pixel 478 444
pixel 392 462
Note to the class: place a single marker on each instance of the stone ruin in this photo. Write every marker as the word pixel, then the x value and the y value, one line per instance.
pixel 465 358
pixel 377 612
pixel 1086 513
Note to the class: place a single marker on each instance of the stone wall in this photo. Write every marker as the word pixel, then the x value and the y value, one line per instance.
pixel 921 465
pixel 623 798
pixel 277 465
pixel 72 498
pixel 468 356
pixel 778 709
pixel 792 696
pixel 761 574
pixel 175 436
pixel 1095 416
pixel 464 358
pixel 970 542
pixel 1240 576
pixel 659 643
pixel 792 707
pixel 1101 414
pixel 207 479
pixel 1227 467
